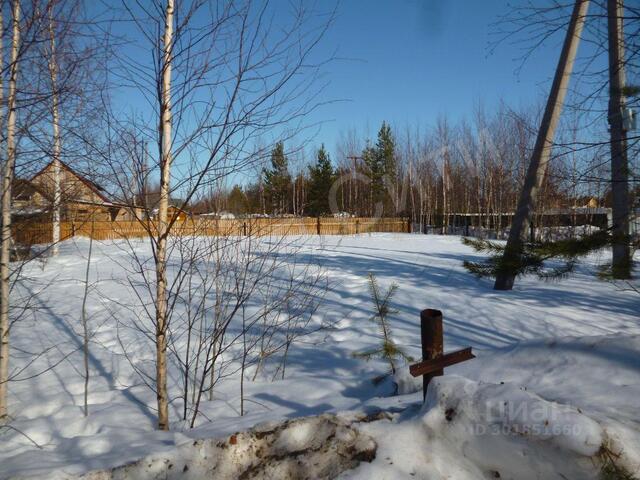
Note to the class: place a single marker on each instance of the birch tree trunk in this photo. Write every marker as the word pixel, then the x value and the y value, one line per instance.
pixel 4 334
pixel 5 235
pixel 53 72
pixel 163 221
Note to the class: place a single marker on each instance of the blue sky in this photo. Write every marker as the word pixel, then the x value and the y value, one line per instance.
pixel 408 61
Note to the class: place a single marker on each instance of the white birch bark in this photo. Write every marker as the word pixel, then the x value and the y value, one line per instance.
pixel 57 141
pixel 163 221
pixel 5 206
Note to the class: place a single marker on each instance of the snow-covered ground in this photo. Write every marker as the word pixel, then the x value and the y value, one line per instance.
pixel 568 354
pixel 539 410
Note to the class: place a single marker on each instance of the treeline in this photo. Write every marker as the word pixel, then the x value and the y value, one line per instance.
pixel 469 167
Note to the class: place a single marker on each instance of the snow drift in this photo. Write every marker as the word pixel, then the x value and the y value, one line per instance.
pixel 552 409
pixel 307 448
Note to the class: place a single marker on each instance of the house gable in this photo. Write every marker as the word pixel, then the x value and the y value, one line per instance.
pixel 74 187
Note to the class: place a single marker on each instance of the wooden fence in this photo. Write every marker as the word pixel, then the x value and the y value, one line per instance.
pixel 37 233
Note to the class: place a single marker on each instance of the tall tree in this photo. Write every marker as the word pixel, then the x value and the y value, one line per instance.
pixel 321 177
pixel 375 173
pixel 238 202
pixel 206 134
pixel 164 134
pixel 542 150
pixel 7 181
pixel 55 122
pixel 381 164
pixel 386 153
pixel 621 261
pixel 277 180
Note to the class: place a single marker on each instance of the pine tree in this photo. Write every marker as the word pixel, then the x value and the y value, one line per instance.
pixel 277 181
pixel 382 168
pixel 238 201
pixel 533 257
pixel 386 152
pixel 387 349
pixel 253 194
pixel 321 177
pixel 376 174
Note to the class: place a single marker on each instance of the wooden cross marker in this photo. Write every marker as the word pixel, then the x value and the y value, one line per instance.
pixel 433 359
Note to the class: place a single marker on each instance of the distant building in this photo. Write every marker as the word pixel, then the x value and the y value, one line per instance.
pixel 80 198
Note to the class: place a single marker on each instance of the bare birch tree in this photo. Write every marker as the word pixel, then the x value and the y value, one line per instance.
pixel 221 77
pixel 55 123
pixel 7 181
pixel 163 220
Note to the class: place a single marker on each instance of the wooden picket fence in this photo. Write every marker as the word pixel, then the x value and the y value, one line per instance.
pixel 28 233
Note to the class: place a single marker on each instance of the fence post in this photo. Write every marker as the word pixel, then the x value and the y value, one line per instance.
pixel 466 226
pixel 244 228
pixel 409 225
pixel 318 225
pixel 432 342
pixel 357 226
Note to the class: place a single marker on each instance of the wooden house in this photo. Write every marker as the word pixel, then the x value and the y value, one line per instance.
pixel 80 198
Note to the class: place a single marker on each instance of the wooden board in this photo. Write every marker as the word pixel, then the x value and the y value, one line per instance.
pixel 446 360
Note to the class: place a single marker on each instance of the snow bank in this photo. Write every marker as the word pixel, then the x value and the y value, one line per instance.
pixel 470 430
pixel 475 411
pixel 551 409
pixel 503 428
pixel 307 448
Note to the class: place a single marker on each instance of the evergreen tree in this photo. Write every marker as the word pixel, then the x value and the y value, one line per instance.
pixel 386 152
pixel 376 174
pixel 253 194
pixel 321 177
pixel 383 170
pixel 387 349
pixel 533 257
pixel 238 201
pixel 277 181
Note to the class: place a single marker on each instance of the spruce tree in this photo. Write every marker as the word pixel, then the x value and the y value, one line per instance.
pixel 382 167
pixel 238 201
pixel 277 181
pixel 321 177
pixel 376 174
pixel 386 152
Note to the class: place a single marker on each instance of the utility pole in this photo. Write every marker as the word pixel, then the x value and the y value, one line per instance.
pixel 542 149
pixel 621 261
pixel 355 208
pixel 446 180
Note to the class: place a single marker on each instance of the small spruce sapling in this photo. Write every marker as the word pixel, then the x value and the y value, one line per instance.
pixel 387 350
